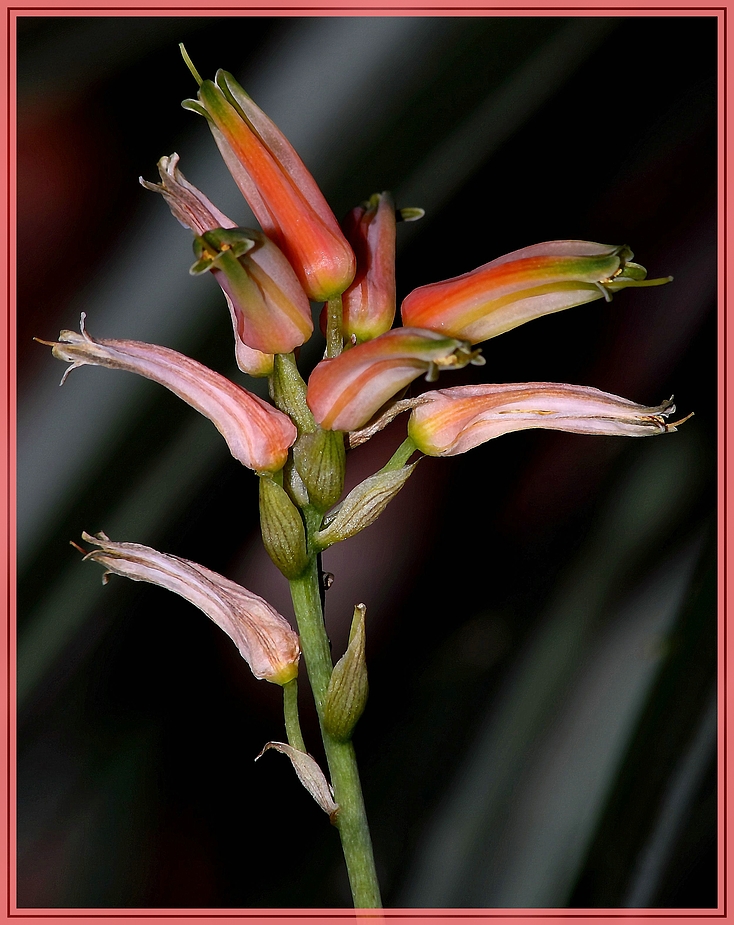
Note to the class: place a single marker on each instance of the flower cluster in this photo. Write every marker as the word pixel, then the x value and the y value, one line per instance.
pixel 297 442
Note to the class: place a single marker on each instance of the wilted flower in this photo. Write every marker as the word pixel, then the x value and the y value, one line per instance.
pixel 270 311
pixel 278 187
pixel 523 285
pixel 345 392
pixel 451 421
pixel 264 638
pixel 257 434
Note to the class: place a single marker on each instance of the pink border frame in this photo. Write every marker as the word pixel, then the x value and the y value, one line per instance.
pixel 8 909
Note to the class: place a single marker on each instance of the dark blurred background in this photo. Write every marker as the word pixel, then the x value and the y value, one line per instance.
pixel 541 730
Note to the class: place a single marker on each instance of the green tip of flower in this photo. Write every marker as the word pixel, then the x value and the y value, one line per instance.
pixel 190 64
pixel 410 214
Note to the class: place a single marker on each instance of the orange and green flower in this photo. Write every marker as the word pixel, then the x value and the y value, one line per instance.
pixel 522 286
pixel 279 189
pixel 345 392
pixel 270 311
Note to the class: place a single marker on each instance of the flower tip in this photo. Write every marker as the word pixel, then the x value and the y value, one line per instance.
pixel 409 214
pixel 676 424
pixel 190 64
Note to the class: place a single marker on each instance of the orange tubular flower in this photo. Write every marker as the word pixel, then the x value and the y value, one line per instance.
pixel 451 421
pixel 257 434
pixel 345 392
pixel 278 187
pixel 523 285
pixel 264 638
pixel 270 311
pixel 369 303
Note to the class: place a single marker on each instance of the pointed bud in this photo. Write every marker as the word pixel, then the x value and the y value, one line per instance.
pixel 278 187
pixel 257 434
pixel 320 458
pixel 264 638
pixel 345 392
pixel 363 505
pixel 451 421
pixel 368 305
pixel 346 695
pixel 523 285
pixel 283 533
pixel 309 774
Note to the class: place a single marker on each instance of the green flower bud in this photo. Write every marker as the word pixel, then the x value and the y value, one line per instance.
pixel 346 695
pixel 363 505
pixel 320 459
pixel 283 534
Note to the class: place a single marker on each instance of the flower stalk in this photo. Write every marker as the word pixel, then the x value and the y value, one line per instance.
pixel 297 442
pixel 351 818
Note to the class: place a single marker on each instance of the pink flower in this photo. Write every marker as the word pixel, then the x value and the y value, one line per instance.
pixel 451 421
pixel 264 638
pixel 278 187
pixel 270 311
pixel 257 434
pixel 345 392
pixel 523 285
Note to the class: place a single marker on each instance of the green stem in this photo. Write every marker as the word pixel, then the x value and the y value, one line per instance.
pixel 351 819
pixel 334 337
pixel 290 711
pixel 400 457
pixel 288 391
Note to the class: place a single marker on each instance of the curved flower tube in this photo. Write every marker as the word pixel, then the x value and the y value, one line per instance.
pixel 279 189
pixel 263 637
pixel 270 311
pixel 345 392
pixel 257 434
pixel 522 286
pixel 451 421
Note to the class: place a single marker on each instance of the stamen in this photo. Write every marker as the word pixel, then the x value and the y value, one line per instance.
pixel 682 420
pixel 605 292
pixel 190 64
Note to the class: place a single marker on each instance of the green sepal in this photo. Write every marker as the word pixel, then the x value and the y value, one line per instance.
pixel 409 214
pixel 320 458
pixel 283 533
pixel 346 695
pixel 195 106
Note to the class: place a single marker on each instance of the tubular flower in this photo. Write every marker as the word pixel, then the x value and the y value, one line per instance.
pixel 257 434
pixel 269 310
pixel 451 421
pixel 278 187
pixel 368 305
pixel 264 638
pixel 524 285
pixel 345 392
